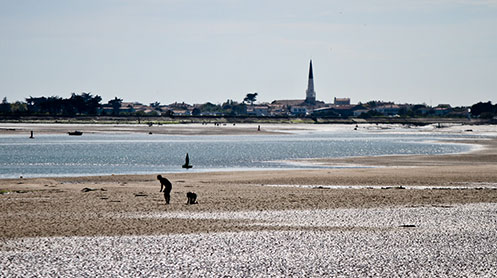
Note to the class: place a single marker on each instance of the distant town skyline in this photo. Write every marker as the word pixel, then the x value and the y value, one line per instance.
pixel 433 52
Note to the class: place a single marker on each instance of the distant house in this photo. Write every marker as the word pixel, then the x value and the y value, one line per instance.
pixel 297 107
pixel 105 110
pixel 181 112
pixel 127 107
pixel 258 110
pixel 181 105
pixel 342 101
pixel 342 111
pixel 179 109
pixel 210 113
pixel 421 110
pixel 359 112
pixel 289 102
pixel 325 112
pixel 130 108
pixel 388 110
pixel 152 112
pixel 441 111
pixel 146 109
pixel 299 110
pixel 347 110
pixel 277 110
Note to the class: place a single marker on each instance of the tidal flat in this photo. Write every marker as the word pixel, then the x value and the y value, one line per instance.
pixel 424 215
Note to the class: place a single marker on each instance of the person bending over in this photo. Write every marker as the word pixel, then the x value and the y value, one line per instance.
pixel 167 186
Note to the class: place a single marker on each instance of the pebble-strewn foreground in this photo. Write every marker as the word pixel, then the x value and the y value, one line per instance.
pixel 451 241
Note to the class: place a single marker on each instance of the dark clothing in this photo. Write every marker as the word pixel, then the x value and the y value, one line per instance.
pixel 167 186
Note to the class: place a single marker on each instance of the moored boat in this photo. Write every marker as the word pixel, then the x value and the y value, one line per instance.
pixel 76 132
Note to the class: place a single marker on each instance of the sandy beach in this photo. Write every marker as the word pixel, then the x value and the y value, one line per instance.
pixel 172 129
pixel 426 215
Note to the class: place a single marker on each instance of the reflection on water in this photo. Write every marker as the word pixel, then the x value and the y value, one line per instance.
pixel 103 154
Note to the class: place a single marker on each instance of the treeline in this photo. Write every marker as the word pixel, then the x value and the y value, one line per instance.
pixel 83 104
pixel 86 104
pixel 484 110
pixel 228 108
pixel 90 105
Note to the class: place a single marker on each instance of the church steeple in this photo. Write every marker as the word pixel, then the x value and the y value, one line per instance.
pixel 310 71
pixel 310 93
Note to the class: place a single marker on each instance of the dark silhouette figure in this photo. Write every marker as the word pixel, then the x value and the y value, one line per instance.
pixel 192 198
pixel 187 162
pixel 166 184
pixel 32 135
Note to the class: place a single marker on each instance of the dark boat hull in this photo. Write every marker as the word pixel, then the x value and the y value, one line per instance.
pixel 76 133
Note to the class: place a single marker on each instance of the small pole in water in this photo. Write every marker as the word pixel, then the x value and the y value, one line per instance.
pixel 32 136
pixel 187 162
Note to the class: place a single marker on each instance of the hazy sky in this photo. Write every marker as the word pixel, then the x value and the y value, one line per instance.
pixel 418 51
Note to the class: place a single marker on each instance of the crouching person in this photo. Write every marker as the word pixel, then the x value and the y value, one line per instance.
pixel 191 198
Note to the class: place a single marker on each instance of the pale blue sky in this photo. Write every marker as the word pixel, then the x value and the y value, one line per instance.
pixel 420 51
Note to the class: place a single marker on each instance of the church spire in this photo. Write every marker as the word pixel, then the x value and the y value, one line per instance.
pixel 310 93
pixel 310 71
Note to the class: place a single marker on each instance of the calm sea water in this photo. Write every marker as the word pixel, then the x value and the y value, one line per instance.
pixel 105 154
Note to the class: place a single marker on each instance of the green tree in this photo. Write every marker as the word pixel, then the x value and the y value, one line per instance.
pixel 196 111
pixel 19 107
pixel 251 97
pixel 116 105
pixel 5 106
pixel 239 109
pixel 210 108
pixel 483 109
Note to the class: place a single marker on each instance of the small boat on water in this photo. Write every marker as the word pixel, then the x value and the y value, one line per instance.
pixel 76 132
pixel 187 162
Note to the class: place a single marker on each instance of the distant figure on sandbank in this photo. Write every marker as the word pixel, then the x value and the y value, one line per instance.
pixel 192 198
pixel 166 184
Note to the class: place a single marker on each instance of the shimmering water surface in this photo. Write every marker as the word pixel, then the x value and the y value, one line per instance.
pixel 105 154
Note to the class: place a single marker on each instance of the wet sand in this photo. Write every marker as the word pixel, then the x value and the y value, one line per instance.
pixel 170 129
pixel 421 241
pixel 59 207
pixel 132 207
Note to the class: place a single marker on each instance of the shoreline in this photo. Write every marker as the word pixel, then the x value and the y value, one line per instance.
pixel 333 222
pixel 83 206
pixel 484 152
pixel 233 128
pixel 250 129
pixel 87 206
pixel 172 129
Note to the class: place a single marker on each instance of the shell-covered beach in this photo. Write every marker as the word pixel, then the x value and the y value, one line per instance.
pixel 405 216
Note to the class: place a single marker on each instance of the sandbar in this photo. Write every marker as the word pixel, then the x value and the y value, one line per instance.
pixel 357 229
